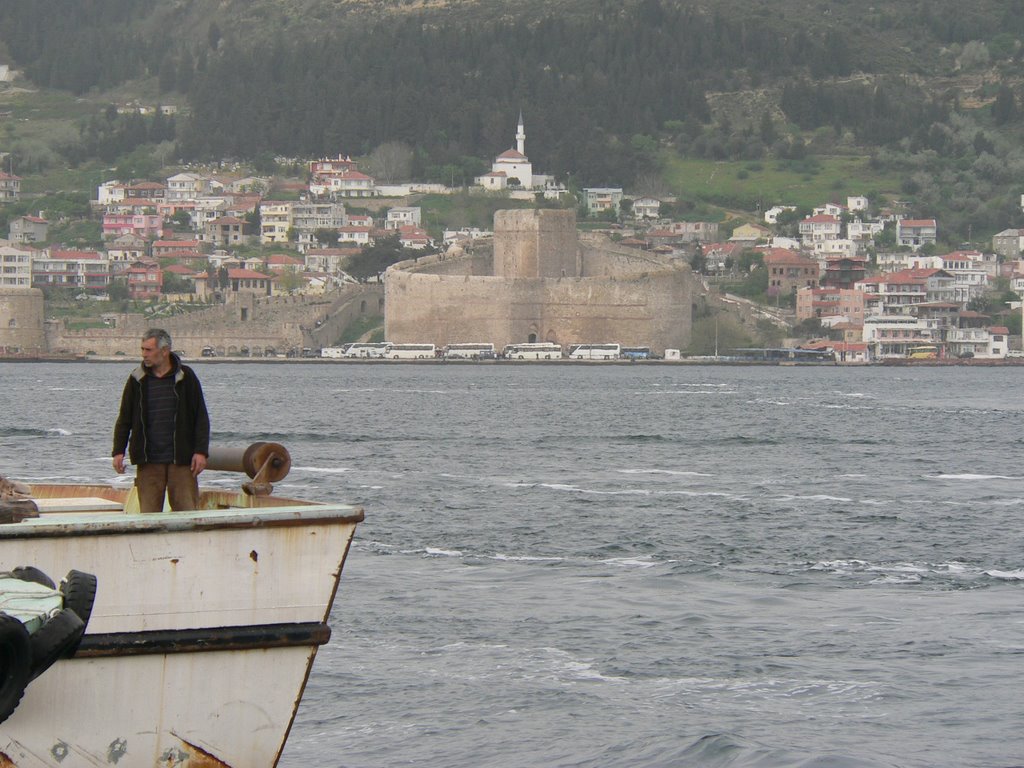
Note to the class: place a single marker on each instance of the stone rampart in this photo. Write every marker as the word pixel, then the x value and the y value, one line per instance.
pixel 21 321
pixel 280 322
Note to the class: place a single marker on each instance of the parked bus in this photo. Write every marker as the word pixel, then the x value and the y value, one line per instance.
pixel 534 351
pixel 635 353
pixel 477 350
pixel 923 352
pixel 367 349
pixel 410 352
pixel 595 352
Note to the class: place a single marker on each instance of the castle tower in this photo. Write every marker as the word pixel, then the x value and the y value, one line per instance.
pixel 521 136
pixel 535 243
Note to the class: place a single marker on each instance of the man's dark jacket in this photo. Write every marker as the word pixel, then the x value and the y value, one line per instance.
pixel 191 421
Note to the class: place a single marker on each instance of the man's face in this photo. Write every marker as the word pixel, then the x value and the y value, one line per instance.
pixel 154 356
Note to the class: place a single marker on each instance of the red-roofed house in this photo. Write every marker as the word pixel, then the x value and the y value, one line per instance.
pixel 248 281
pixel 351 183
pixel 412 236
pixel 145 280
pixel 278 262
pixel 788 271
pixel 358 235
pixel 28 229
pixel 85 270
pixel 916 232
pixel 897 293
pixel 163 249
pixel 818 229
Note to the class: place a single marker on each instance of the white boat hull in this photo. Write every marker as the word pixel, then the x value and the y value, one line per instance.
pixel 202 635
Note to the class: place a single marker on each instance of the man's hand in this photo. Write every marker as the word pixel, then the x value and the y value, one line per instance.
pixel 119 463
pixel 198 464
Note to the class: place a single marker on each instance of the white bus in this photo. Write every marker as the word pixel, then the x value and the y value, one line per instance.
pixel 595 352
pixel 366 349
pixel 410 352
pixel 477 350
pixel 534 351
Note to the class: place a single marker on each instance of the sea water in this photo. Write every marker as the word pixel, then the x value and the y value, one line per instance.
pixel 630 565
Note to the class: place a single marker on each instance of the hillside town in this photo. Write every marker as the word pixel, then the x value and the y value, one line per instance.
pixel 869 280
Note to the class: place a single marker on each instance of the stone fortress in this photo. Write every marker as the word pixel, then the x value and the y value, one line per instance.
pixel 540 281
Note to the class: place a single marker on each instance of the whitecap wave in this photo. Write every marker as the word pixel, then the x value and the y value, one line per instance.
pixel 323 470
pixel 1006 575
pixel 971 476
pixel 674 472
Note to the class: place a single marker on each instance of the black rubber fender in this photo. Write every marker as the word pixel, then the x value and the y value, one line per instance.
pixel 58 638
pixel 31 573
pixel 15 664
pixel 79 591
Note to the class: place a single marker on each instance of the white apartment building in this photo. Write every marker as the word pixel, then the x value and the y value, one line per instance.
pixel 892 336
pixel 16 267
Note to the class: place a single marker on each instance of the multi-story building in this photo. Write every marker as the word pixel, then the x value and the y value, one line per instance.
pixel 788 271
pixel 330 261
pixel 403 216
pixel 892 336
pixel 145 280
pixel 601 199
pixel 1009 243
pixel 28 229
pixel 225 231
pixel 10 187
pixel 143 225
pixel 830 302
pixel 310 215
pixel 823 226
pixel 81 270
pixel 186 187
pixel 971 277
pixel 844 272
pixel 897 293
pixel 275 221
pixel 16 267
pixel 916 232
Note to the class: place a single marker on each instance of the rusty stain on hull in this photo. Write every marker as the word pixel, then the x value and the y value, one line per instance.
pixel 190 756
pixel 6 762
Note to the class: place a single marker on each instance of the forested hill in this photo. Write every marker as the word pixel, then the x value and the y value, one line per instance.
pixel 604 86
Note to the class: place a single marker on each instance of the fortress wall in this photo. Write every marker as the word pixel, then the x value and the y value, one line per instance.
pixel 476 264
pixel 609 260
pixel 441 309
pixel 21 321
pixel 652 311
pixel 281 322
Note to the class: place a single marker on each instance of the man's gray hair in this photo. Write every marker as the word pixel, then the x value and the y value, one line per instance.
pixel 163 338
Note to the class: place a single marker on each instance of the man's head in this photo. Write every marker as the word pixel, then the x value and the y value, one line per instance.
pixel 156 348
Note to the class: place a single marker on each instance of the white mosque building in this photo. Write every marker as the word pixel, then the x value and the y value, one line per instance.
pixel 513 171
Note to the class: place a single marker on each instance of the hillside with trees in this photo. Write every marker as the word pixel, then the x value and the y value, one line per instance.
pixel 927 90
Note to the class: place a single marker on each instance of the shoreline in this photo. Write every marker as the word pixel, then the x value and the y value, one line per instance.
pixel 891 363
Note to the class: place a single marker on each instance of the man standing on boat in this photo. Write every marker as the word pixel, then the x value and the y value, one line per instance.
pixel 164 425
